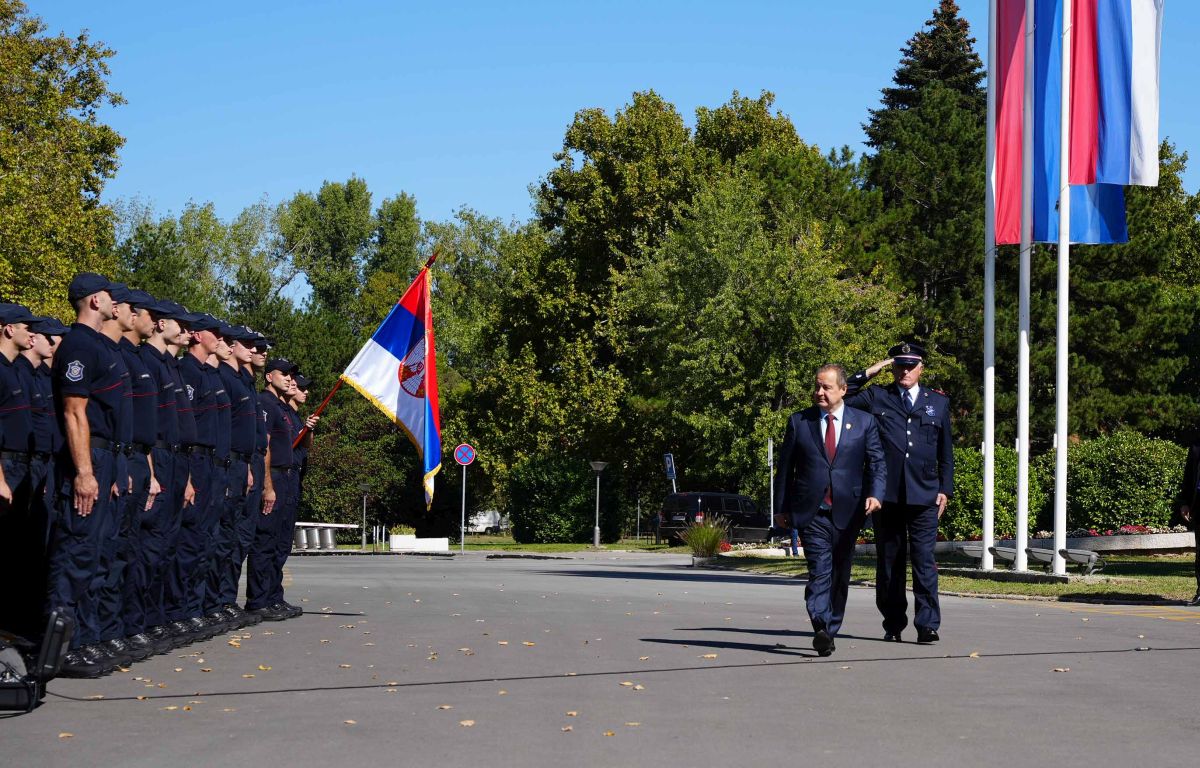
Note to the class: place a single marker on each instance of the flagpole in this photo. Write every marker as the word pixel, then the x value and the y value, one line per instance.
pixel 1027 119
pixel 989 304
pixel 317 412
pixel 1064 307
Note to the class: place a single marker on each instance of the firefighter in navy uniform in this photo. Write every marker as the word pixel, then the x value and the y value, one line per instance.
pixel 915 423
pixel 88 391
pixel 18 522
pixel 264 577
pixel 47 442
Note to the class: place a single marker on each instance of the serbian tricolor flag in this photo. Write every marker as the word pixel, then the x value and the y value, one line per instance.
pixel 397 371
pixel 1114 97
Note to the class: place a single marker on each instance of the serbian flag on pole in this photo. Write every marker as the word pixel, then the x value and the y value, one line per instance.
pixel 1114 114
pixel 397 371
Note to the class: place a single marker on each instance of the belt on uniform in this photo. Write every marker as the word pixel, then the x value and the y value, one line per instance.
pixel 199 450
pixel 284 469
pixel 21 456
pixel 164 445
pixel 42 455
pixel 104 444
pixel 223 463
pixel 242 457
pixel 142 448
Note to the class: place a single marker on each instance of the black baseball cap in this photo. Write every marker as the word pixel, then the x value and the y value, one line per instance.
pixel 199 321
pixel 120 293
pixel 168 310
pixel 11 314
pixel 48 326
pixel 85 284
pixel 302 381
pixel 281 364
pixel 141 299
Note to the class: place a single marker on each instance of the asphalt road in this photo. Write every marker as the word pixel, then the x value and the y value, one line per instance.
pixel 616 659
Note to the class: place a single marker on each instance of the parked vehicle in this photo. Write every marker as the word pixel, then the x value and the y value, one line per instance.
pixel 488 521
pixel 679 510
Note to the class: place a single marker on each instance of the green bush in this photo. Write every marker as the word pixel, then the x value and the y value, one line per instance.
pixel 1124 478
pixel 552 498
pixel 963 518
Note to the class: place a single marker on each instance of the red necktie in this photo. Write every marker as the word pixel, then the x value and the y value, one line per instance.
pixel 830 450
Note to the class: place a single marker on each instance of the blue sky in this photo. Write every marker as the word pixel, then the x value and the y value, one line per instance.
pixel 464 103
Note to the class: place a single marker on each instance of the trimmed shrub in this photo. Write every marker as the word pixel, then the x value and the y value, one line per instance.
pixel 963 519
pixel 1124 478
pixel 552 498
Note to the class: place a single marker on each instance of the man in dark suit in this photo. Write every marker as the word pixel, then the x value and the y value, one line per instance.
pixel 915 424
pixel 1189 495
pixel 831 458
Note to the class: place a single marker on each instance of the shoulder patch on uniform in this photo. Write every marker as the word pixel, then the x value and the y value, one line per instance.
pixel 191 392
pixel 74 371
pixel 940 392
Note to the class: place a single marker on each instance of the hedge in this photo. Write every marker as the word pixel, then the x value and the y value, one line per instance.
pixel 552 498
pixel 963 519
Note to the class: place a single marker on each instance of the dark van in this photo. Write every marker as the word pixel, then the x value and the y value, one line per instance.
pixel 679 510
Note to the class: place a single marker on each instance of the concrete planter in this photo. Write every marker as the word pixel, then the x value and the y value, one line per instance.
pixel 409 543
pixel 703 562
pixel 402 542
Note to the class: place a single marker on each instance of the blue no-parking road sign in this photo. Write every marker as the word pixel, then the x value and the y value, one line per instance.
pixel 464 454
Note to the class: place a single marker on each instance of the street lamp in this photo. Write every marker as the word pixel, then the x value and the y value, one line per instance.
pixel 365 488
pixel 597 467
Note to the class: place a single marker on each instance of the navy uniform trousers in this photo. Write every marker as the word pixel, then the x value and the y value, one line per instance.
pixel 158 528
pixel 264 570
pixel 189 575
pixel 76 546
pixel 222 581
pixel 904 531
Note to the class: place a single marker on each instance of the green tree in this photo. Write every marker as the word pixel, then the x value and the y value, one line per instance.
pixel 55 157
pixel 928 140
pixel 739 318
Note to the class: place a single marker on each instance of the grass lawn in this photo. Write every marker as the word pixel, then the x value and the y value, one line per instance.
pixel 477 542
pixel 1125 578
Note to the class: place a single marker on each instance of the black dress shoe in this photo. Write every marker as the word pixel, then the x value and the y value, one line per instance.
pixel 251 617
pixel 927 636
pixel 105 657
pixel 892 637
pixel 182 633
pixel 81 666
pixel 153 645
pixel 823 643
pixel 273 613
pixel 120 647
pixel 292 610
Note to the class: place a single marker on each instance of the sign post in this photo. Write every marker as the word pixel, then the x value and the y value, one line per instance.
pixel 669 461
pixel 464 455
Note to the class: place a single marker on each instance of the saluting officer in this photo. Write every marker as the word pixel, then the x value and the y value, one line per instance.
pixel 89 392
pixel 915 423
pixel 18 523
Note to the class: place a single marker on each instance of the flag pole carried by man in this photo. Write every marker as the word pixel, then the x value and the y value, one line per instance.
pixel 397 371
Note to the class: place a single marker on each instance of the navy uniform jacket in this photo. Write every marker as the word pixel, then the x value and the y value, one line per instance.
pixel 919 448
pixel 857 471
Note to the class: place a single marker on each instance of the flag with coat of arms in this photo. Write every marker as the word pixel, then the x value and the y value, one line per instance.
pixel 397 371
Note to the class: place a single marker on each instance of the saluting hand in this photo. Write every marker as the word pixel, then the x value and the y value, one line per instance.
pixel 942 499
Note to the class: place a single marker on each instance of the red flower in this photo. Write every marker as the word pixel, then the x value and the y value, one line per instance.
pixel 726 546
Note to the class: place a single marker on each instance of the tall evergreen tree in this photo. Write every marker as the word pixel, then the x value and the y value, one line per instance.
pixel 928 136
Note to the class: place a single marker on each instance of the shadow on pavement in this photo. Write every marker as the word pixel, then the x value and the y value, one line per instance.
pixel 680 573
pixel 796 657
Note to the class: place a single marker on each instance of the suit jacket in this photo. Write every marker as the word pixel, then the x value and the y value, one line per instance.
pixel 918 444
pixel 804 473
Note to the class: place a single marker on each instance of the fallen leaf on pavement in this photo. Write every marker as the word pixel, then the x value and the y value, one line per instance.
pixel 527 643
pixel 609 733
pixel 626 683
pixel 445 706
pixel 171 708
pixel 264 668
pixel 974 654
pixel 639 687
pixel 708 656
pixel 567 728
pixel 350 722
pixel 344 666
pixel 572 713
pixel 501 642
pixel 206 669
pixel 643 658
pixel 65 735
pixel 633 725
pixel 1062 669
pixel 247 676
pixel 466 723
pixel 502 693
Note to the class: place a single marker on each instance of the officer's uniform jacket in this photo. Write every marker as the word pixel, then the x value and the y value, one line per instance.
pixel 918 445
